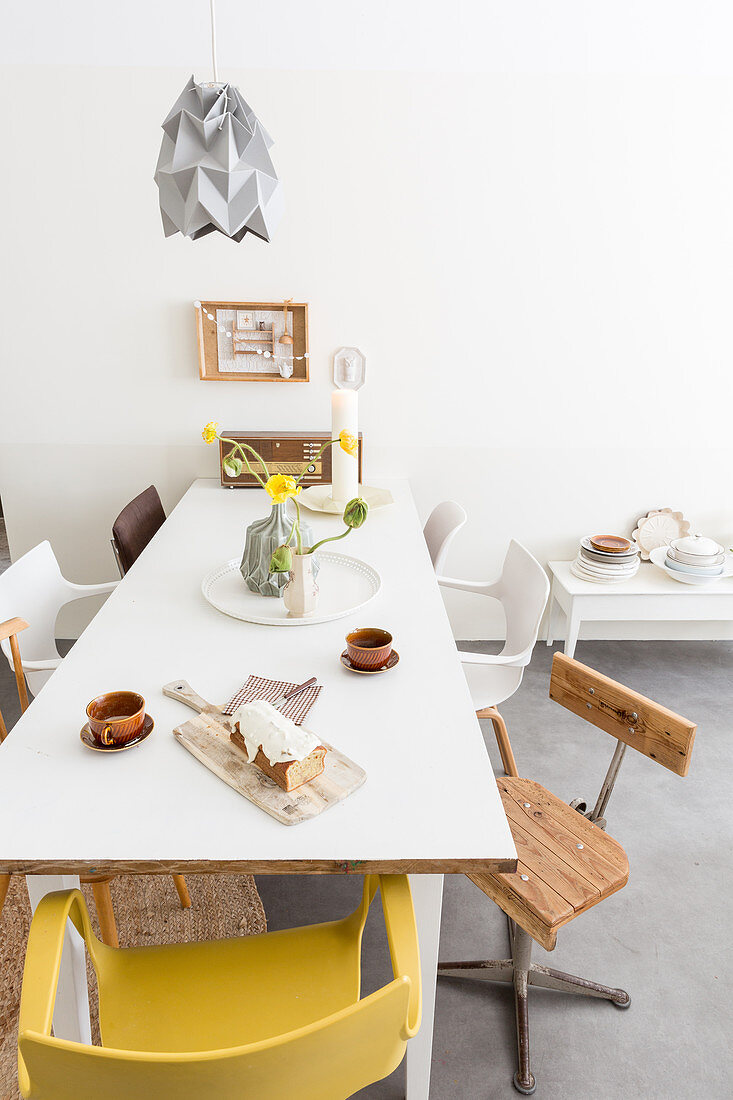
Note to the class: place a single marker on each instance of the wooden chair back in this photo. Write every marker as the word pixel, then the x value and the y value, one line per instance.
pixel 638 722
pixel 8 632
pixel 135 526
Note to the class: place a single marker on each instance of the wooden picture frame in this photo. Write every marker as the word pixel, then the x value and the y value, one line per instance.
pixel 221 352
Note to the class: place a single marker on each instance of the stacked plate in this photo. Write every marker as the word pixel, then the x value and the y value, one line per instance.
pixel 606 559
pixel 693 559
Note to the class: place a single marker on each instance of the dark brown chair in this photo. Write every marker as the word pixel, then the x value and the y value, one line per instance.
pixel 567 862
pixel 135 526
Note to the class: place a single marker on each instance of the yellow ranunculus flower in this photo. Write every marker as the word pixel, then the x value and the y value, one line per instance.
pixel 349 443
pixel 281 486
pixel 209 433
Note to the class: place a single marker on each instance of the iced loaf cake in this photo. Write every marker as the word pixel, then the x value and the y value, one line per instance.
pixel 288 754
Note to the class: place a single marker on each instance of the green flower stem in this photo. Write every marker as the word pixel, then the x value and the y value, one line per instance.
pixel 328 443
pixel 331 538
pixel 259 457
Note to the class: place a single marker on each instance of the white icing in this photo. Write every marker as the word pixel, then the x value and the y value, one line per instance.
pixel 263 727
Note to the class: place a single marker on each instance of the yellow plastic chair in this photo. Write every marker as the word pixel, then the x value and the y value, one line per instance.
pixel 262 1016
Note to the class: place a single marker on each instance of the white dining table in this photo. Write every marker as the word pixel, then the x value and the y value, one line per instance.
pixel 429 805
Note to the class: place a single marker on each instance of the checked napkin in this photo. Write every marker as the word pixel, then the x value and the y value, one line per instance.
pixel 257 687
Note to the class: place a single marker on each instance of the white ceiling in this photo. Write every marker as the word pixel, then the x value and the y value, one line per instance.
pixel 596 36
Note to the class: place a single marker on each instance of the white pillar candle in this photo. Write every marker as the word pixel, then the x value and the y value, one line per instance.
pixel 344 467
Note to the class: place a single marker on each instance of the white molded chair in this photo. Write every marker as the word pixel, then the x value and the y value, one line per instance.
pixel 443 524
pixel 34 587
pixel 522 589
pixel 35 584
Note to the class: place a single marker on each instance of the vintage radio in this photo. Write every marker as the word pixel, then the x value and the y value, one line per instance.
pixel 284 453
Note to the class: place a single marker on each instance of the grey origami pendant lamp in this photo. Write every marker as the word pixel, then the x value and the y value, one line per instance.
pixel 214 171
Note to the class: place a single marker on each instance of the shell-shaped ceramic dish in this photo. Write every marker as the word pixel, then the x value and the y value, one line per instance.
pixel 659 527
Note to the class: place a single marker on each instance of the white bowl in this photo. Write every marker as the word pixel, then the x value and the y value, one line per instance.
pixel 695 545
pixel 695 559
pixel 695 570
pixel 658 557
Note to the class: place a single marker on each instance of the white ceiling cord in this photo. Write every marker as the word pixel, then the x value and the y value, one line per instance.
pixel 213 39
pixel 223 89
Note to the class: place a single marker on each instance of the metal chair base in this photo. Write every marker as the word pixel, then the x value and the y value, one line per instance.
pixel 526 1090
pixel 523 973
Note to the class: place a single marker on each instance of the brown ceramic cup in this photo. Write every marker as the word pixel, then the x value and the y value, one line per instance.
pixel 116 717
pixel 369 647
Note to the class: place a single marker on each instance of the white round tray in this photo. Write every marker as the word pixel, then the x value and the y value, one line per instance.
pixel 318 498
pixel 345 583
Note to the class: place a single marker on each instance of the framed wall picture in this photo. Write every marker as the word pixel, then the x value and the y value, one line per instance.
pixel 253 341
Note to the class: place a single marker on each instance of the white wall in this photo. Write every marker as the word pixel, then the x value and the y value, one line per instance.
pixel 569 192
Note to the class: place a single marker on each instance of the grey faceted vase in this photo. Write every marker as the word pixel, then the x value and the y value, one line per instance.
pixel 263 537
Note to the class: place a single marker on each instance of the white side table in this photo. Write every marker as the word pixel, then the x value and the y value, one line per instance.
pixel 650 596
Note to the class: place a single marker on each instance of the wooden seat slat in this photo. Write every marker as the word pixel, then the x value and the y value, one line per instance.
pixel 537 848
pixel 606 852
pixel 562 880
pixel 543 864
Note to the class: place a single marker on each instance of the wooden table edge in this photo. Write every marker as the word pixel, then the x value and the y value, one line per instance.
pixel 258 867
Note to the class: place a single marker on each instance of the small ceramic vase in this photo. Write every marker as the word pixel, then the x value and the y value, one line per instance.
pixel 263 537
pixel 300 595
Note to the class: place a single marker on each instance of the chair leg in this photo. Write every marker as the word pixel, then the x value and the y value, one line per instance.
pixel 524 973
pixel 105 911
pixel 516 970
pixel 524 1081
pixel 547 978
pixel 502 740
pixel 19 674
pixel 183 895
pixel 492 970
pixel 4 884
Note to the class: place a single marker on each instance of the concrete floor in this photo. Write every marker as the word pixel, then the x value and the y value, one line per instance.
pixel 665 937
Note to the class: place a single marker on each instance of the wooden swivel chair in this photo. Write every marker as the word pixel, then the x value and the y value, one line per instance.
pixel 567 863
pixel 135 526
pixel 258 1017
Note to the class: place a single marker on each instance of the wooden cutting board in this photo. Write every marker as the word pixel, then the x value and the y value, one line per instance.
pixel 207 738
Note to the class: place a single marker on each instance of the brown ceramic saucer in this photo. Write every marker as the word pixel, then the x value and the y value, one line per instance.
pixel 611 544
pixel 392 660
pixel 88 739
